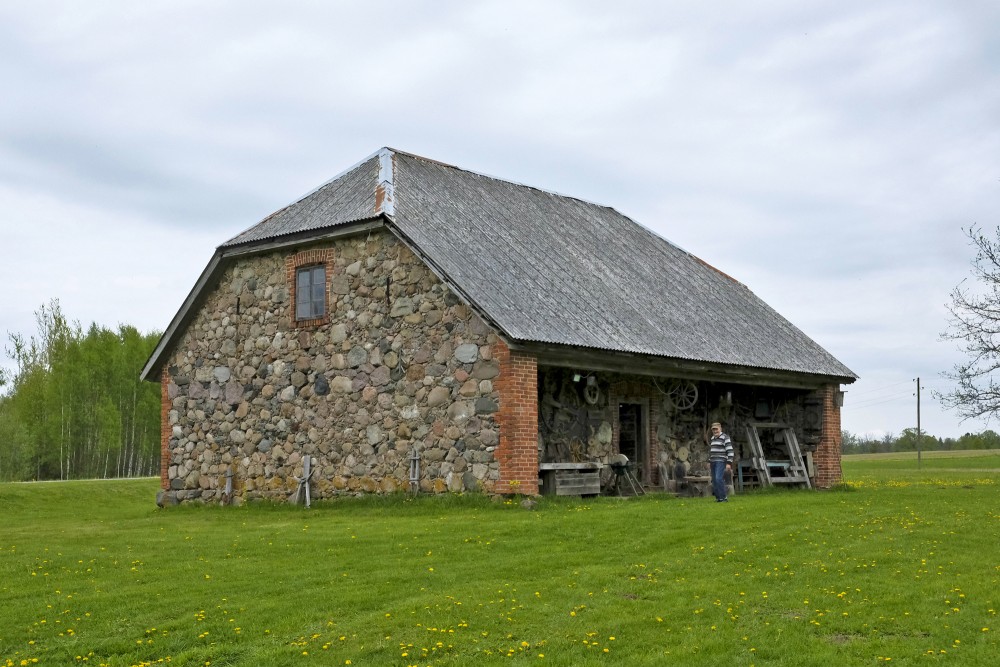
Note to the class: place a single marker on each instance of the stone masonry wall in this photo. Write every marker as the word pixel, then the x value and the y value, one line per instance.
pixel 399 363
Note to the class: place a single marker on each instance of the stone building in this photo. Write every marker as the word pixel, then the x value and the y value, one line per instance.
pixel 409 311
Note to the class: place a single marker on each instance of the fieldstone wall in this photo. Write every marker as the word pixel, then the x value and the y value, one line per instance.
pixel 400 363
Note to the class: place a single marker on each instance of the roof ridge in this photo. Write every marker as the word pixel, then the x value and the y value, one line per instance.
pixel 498 179
pixel 385 183
pixel 326 183
pixel 563 196
pixel 336 178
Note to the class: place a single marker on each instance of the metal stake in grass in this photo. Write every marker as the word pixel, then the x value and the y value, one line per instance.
pixel 414 471
pixel 302 491
pixel 227 495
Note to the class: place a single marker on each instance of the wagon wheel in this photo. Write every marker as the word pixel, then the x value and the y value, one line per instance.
pixel 682 394
pixel 592 394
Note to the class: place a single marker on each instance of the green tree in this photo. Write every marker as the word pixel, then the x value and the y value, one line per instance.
pixel 988 439
pixel 909 442
pixel 849 443
pixel 75 405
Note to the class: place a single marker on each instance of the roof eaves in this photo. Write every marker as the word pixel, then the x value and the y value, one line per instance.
pixel 646 363
pixel 333 230
pixel 844 378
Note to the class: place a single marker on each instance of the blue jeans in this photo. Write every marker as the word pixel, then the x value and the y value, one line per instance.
pixel 719 489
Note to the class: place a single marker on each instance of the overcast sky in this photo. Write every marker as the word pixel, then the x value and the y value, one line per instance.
pixel 825 154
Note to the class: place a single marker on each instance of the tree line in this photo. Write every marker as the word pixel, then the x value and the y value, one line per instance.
pixel 907 441
pixel 73 406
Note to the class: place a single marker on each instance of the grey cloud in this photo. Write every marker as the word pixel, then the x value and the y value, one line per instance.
pixel 826 154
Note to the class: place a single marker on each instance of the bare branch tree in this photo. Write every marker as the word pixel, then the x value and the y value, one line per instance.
pixel 975 325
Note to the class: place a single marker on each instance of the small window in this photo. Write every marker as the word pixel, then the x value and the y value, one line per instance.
pixel 310 293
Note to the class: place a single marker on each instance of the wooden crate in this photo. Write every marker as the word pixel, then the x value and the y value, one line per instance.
pixel 574 483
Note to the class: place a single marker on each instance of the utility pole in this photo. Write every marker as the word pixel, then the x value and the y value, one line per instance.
pixel 918 424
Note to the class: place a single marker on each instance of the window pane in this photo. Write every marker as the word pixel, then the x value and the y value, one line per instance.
pixel 310 297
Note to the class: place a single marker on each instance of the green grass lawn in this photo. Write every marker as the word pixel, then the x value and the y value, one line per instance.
pixel 900 467
pixel 896 568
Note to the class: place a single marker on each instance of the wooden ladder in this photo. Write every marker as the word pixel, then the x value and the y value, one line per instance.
pixel 796 472
pixel 757 461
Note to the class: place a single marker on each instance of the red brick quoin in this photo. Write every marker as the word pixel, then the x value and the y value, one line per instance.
pixel 164 430
pixel 826 458
pixel 517 453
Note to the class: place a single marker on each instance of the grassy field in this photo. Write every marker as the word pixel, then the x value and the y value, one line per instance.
pixel 988 454
pixel 900 566
pixel 905 466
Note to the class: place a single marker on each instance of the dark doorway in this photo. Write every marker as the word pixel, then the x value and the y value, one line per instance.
pixel 631 435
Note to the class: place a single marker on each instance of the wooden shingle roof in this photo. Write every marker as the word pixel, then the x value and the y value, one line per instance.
pixel 554 270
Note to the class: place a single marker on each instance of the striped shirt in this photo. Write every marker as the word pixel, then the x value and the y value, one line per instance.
pixel 720 448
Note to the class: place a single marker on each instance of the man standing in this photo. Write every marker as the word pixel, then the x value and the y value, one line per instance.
pixel 720 457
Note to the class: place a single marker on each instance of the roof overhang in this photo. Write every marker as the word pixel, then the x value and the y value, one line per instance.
pixel 590 359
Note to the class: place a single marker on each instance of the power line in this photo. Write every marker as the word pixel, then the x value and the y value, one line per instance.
pixel 888 386
pixel 879 400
